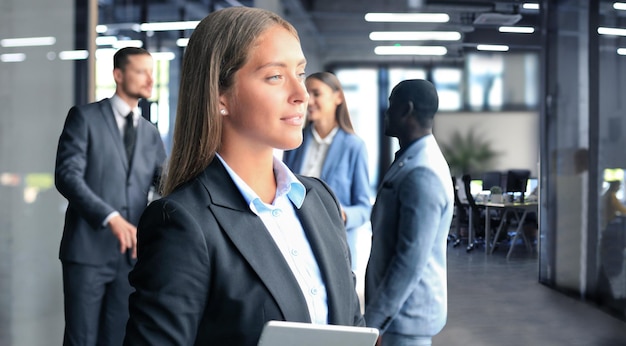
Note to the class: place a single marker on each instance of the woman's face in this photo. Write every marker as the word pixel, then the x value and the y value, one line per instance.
pixel 267 102
pixel 323 100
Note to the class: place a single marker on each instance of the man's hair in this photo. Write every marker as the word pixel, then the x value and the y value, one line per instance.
pixel 120 59
pixel 424 97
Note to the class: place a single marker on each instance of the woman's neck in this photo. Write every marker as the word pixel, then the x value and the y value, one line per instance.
pixel 255 168
pixel 324 128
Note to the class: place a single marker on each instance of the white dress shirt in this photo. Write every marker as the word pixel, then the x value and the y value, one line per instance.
pixel 283 224
pixel 316 153
pixel 120 110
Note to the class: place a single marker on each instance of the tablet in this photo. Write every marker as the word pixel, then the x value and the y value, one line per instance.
pixel 281 333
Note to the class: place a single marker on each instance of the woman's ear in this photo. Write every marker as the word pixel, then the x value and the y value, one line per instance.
pixel 338 98
pixel 223 104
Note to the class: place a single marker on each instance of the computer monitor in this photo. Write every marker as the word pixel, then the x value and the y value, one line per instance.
pixel 531 185
pixel 476 186
pixel 491 179
pixel 516 181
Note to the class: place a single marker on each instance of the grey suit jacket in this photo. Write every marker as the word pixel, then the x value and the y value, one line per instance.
pixel 406 279
pixel 92 172
pixel 209 272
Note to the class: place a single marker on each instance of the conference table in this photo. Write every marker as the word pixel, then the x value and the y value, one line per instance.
pixel 518 210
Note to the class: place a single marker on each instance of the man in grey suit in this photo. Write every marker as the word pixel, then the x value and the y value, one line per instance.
pixel 108 158
pixel 405 283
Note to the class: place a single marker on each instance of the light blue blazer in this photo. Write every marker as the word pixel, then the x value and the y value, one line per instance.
pixel 344 170
pixel 405 280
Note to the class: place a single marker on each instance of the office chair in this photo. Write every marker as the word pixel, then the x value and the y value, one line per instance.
pixel 477 216
pixel 460 216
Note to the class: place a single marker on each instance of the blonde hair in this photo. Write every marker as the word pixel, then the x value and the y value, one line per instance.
pixel 217 49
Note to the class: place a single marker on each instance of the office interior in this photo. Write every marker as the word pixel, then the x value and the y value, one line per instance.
pixel 550 103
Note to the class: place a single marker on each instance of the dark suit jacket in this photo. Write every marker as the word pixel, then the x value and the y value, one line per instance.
pixel 209 272
pixel 92 172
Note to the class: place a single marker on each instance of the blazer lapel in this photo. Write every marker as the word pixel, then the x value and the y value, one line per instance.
pixel 323 240
pixel 111 124
pixel 248 233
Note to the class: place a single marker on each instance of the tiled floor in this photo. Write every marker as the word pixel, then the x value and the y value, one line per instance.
pixel 494 301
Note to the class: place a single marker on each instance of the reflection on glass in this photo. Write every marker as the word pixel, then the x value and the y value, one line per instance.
pixel 448 84
pixel 485 81
pixel 360 88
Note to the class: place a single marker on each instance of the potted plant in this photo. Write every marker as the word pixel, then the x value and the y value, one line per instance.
pixel 496 194
pixel 468 153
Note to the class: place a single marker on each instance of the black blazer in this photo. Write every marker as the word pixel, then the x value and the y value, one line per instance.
pixel 92 172
pixel 209 273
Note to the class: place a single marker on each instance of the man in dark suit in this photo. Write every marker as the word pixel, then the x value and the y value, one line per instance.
pixel 108 158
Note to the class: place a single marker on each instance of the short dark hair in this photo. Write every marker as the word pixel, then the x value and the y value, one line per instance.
pixel 120 59
pixel 423 95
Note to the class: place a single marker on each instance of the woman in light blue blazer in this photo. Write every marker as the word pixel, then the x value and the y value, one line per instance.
pixel 333 152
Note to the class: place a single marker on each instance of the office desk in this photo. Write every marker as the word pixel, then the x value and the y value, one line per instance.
pixel 518 210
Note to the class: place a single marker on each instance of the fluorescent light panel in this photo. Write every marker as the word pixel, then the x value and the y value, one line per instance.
pixel 530 6
pixel 408 17
pixel 415 36
pixel 611 31
pixel 169 26
pixel 12 57
pixel 517 29
pixel 493 47
pixel 410 50
pixel 127 43
pixel 28 41
pixel 620 6
pixel 73 55
pixel 182 42
pixel 163 55
pixel 621 51
pixel 105 40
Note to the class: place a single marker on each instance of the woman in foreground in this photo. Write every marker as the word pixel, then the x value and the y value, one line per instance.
pixel 238 239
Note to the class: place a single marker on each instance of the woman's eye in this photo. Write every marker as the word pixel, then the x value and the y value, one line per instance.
pixel 276 77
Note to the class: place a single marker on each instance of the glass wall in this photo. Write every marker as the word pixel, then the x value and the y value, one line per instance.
pixel 611 230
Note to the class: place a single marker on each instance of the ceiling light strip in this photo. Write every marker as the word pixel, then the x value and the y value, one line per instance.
pixel 12 57
pixel 493 47
pixel 611 31
pixel 127 43
pixel 621 6
pixel 28 41
pixel 410 50
pixel 415 36
pixel 517 29
pixel 73 55
pixel 408 17
pixel 169 26
pixel 530 6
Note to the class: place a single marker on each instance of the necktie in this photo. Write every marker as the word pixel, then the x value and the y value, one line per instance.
pixel 129 136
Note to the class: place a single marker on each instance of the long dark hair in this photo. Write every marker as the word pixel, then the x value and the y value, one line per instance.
pixel 342 115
